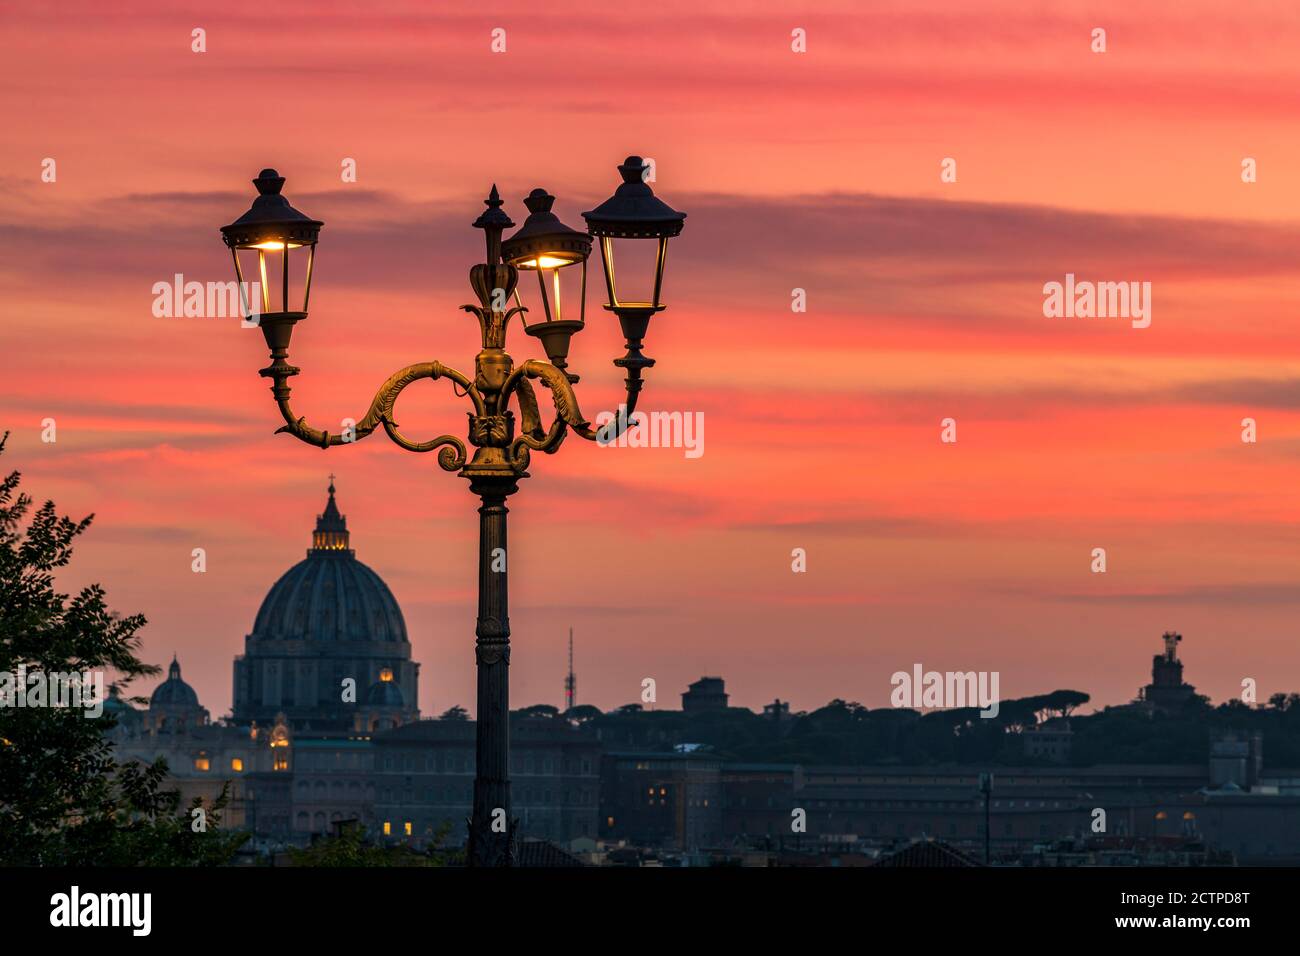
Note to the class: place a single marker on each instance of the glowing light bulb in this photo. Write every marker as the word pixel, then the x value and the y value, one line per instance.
pixel 543 262
pixel 275 246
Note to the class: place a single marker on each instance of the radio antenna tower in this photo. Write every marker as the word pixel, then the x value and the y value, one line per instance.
pixel 570 682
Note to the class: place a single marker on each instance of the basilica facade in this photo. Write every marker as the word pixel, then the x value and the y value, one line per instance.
pixel 325 725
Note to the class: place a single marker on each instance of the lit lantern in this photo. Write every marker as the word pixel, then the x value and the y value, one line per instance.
pixel 548 247
pixel 269 231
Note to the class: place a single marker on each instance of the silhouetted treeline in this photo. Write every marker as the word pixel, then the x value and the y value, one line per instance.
pixel 844 732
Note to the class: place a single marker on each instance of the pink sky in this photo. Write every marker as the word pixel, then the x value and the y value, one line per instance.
pixel 818 171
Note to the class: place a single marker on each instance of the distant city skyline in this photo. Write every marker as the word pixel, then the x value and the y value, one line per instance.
pixel 670 698
pixel 818 172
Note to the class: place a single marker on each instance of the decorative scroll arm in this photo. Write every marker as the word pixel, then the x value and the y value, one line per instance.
pixel 566 403
pixel 620 423
pixel 567 413
pixel 453 454
pixel 530 416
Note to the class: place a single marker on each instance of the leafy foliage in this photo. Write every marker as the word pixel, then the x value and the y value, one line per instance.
pixel 63 799
pixel 351 848
pixel 542 711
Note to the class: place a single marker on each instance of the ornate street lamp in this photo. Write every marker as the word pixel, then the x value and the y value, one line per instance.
pixel 501 457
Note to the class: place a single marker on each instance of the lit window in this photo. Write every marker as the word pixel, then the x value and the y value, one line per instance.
pixel 201 763
pixel 1161 815
pixel 236 765
pixel 388 828
pixel 407 827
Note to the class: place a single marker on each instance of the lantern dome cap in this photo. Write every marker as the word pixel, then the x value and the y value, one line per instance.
pixel 271 218
pixel 634 211
pixel 544 237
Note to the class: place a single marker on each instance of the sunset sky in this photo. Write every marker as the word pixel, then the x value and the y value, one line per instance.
pixel 816 170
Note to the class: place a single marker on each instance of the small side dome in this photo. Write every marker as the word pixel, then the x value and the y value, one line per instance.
pixel 385 692
pixel 117 707
pixel 174 692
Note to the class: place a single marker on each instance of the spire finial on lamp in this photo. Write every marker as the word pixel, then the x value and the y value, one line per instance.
pixel 493 221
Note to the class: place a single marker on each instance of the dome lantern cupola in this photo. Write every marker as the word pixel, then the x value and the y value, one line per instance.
pixel 331 532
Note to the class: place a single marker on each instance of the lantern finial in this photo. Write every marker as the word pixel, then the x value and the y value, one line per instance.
pixel 493 221
pixel 269 182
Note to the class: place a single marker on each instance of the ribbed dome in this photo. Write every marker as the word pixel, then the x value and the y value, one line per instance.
pixel 331 596
pixel 174 692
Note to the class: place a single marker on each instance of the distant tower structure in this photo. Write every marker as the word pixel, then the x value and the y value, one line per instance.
pixel 1167 690
pixel 707 693
pixel 777 711
pixel 571 681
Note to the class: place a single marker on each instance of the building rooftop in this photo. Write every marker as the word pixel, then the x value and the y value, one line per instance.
pixel 928 853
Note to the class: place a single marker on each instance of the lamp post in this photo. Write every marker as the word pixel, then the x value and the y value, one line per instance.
pixel 501 457
pixel 986 788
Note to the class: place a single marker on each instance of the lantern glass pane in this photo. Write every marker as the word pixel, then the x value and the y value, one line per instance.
pixel 273 278
pixel 633 273
pixel 561 293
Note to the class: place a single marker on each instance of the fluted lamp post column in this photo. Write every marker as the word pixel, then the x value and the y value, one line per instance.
pixel 262 241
